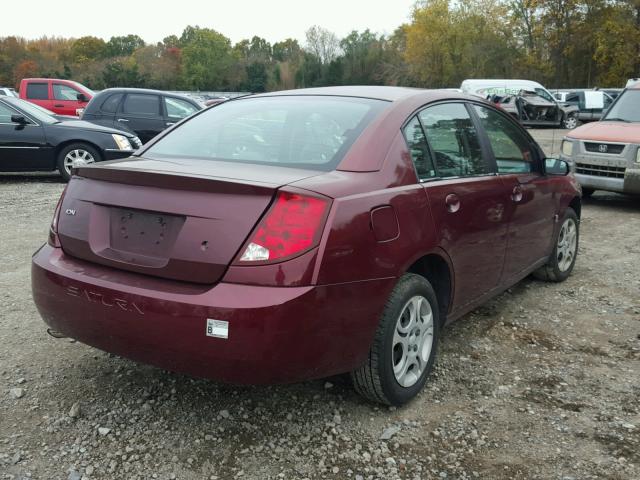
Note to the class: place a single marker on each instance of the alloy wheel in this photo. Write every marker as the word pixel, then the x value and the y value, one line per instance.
pixel 77 157
pixel 567 244
pixel 412 341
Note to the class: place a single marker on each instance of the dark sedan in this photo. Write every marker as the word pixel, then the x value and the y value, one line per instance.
pixel 33 140
pixel 142 112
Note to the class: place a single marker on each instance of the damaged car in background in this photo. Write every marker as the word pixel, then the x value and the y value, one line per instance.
pixel 535 109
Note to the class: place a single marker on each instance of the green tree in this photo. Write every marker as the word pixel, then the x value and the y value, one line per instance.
pixel 206 59
pixel 124 46
pixel 87 49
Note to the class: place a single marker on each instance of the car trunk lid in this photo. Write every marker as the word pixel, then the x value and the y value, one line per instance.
pixel 176 220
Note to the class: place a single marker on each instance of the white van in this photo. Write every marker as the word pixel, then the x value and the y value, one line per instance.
pixel 500 86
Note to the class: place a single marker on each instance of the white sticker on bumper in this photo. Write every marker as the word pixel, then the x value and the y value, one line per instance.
pixel 217 328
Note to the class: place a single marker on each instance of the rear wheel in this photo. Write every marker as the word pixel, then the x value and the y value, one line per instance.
pixel 404 347
pixel 561 262
pixel 75 154
pixel 587 192
pixel 570 121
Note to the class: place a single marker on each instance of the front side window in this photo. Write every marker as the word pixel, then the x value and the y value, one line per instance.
pixel 38 91
pixel 110 105
pixel 544 94
pixel 417 142
pixel 177 108
pixel 454 141
pixel 303 131
pixel 510 146
pixel 64 92
pixel 5 113
pixel 626 108
pixel 138 104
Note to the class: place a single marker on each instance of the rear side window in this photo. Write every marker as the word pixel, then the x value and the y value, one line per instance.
pixel 137 104
pixel 37 91
pixel 417 142
pixel 64 92
pixel 307 131
pixel 510 146
pixel 110 105
pixel 454 140
pixel 178 108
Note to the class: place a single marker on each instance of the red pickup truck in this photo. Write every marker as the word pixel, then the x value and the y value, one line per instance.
pixel 64 97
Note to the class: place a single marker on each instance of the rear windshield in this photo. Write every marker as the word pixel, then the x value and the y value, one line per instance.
pixel 626 108
pixel 298 131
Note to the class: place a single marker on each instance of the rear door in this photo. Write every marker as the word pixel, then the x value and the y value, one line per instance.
pixel 38 93
pixel 465 195
pixel 142 114
pixel 22 147
pixel 529 203
pixel 65 99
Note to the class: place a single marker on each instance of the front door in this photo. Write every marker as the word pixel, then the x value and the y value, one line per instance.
pixel 529 197
pixel 22 147
pixel 466 199
pixel 65 100
pixel 141 113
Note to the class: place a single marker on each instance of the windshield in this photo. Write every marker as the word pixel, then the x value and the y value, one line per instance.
pixel 33 111
pixel 312 132
pixel 626 108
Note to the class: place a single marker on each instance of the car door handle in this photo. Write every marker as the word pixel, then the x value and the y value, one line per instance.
pixel 452 202
pixel 516 193
pixel 123 120
pixel 58 106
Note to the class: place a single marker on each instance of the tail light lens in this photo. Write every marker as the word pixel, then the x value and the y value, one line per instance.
pixel 53 239
pixel 292 226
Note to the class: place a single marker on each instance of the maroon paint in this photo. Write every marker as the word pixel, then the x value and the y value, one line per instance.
pixel 306 317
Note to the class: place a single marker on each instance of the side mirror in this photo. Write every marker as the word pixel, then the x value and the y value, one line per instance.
pixel 19 119
pixel 82 97
pixel 555 166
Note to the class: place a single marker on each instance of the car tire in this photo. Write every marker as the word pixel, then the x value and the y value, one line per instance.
pixel 75 151
pixel 587 192
pixel 565 250
pixel 401 355
pixel 570 121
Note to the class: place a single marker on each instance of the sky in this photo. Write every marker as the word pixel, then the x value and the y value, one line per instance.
pixel 153 20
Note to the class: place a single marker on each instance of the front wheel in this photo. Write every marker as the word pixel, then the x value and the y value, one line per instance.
pixel 75 154
pixel 570 122
pixel 587 192
pixel 563 258
pixel 404 346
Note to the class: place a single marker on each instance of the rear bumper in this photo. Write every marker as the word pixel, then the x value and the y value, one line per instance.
pixel 276 334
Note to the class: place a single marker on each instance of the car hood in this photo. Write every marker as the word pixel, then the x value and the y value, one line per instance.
pixel 607 132
pixel 89 126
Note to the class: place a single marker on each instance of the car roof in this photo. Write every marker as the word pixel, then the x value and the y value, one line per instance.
pixel 141 90
pixel 389 94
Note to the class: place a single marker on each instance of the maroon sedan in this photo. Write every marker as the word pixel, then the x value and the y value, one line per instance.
pixel 297 235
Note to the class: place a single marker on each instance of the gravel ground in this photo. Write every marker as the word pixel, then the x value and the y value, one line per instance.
pixel 540 383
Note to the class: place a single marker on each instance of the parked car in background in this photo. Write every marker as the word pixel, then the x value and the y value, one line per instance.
pixel 534 110
pixel 528 101
pixel 606 154
pixel 8 92
pixel 612 92
pixel 302 234
pixel 33 140
pixel 590 103
pixel 143 112
pixel 63 97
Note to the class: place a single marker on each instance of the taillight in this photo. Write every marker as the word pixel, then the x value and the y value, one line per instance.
pixel 292 226
pixel 53 240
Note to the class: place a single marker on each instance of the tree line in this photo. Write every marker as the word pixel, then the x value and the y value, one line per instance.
pixel 560 43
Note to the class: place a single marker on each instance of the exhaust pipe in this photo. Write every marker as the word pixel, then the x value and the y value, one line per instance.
pixel 55 334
